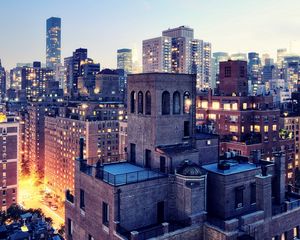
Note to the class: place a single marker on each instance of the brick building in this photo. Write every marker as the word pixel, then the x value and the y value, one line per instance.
pixel 178 192
pixel 98 123
pixel 9 155
pixel 246 124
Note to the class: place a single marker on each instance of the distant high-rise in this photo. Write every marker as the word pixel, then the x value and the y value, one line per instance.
pixel 157 55
pixel 53 42
pixel 254 70
pixel 238 56
pixel 217 58
pixel 124 59
pixel 178 52
pixel 2 80
pixel 281 53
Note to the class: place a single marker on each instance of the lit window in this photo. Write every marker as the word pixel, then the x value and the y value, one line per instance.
pixel 212 116
pixel 243 129
pixel 233 128
pixel 251 128
pixel 274 127
pixel 204 104
pixel 256 128
pixel 266 128
pixel 244 106
pixel 215 105
pixel 234 106
pixel 226 106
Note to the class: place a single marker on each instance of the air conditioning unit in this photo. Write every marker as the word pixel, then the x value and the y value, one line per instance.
pixel 240 205
pixel 227 155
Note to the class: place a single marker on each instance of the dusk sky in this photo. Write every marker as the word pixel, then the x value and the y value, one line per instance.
pixel 104 26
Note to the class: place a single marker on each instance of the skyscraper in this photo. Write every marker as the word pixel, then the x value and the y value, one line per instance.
pixel 157 55
pixel 53 42
pixel 124 59
pixel 217 58
pixel 2 81
pixel 178 52
pixel 254 70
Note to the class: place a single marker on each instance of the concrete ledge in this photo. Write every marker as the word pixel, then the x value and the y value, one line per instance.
pixel 252 217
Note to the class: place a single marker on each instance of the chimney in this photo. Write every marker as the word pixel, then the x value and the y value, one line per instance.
pixel 264 194
pixel 280 177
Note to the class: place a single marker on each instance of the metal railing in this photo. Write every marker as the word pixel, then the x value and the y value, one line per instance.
pixel 126 178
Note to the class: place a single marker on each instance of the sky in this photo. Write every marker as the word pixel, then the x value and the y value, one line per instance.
pixel 105 26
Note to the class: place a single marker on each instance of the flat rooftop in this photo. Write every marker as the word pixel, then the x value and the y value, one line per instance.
pixel 117 174
pixel 235 167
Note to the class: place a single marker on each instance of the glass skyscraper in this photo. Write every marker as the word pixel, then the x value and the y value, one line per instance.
pixel 124 60
pixel 53 42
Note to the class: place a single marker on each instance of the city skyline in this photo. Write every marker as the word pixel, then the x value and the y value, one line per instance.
pixel 271 29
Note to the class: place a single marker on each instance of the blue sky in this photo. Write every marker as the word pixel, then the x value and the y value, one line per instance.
pixel 104 26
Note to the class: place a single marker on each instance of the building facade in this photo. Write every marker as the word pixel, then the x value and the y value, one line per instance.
pixel 9 154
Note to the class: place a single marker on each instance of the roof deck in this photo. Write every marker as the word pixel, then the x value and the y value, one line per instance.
pixel 122 173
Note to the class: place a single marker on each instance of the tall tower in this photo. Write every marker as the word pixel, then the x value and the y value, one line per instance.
pixel 53 42
pixel 124 59
pixel 161 113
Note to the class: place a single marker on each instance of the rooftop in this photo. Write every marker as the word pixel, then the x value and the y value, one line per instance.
pixel 122 173
pixel 235 167
pixel 172 150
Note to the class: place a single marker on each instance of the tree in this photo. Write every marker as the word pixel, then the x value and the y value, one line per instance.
pixel 14 212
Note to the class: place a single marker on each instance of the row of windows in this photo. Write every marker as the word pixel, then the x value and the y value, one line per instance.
pixel 165 103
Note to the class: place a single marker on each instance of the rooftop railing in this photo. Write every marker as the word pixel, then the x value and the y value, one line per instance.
pixel 126 178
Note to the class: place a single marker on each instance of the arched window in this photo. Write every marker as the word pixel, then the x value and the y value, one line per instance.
pixel 140 103
pixel 132 102
pixel 148 103
pixel 187 102
pixel 165 103
pixel 176 103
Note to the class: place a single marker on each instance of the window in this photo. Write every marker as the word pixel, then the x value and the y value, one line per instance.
pixel 162 164
pixel 234 106
pixel 244 106
pixel 252 193
pixel 70 227
pixel 227 106
pixel 105 213
pixel 132 102
pixel 187 102
pixel 242 71
pixel 186 128
pixel 256 128
pixel 274 127
pixel 204 104
pixel 82 203
pixel 147 158
pixel 227 71
pixel 90 237
pixel 215 105
pixel 176 103
pixel 239 195
pixel 148 103
pixel 165 103
pixel 233 128
pixel 132 152
pixel 266 128
pixel 140 103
